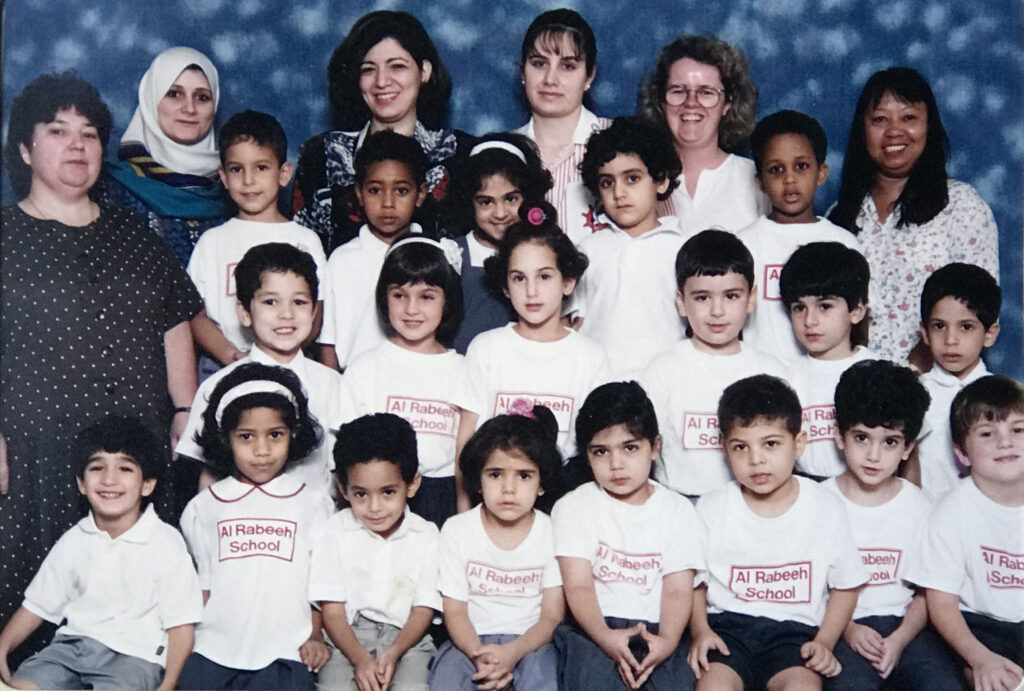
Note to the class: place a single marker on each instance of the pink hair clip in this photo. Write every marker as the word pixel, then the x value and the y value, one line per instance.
pixel 521 406
pixel 536 216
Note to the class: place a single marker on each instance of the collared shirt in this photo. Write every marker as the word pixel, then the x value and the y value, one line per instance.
pixel 726 198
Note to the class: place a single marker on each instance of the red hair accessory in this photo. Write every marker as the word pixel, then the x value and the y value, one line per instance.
pixel 522 406
pixel 536 216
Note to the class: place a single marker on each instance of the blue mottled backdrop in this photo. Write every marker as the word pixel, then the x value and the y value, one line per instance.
pixel 812 55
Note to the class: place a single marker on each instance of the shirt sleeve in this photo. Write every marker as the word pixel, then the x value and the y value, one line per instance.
pixel 572 539
pixel 328 331
pixel 684 549
pixel 178 593
pixel 845 570
pixel 52 588
pixel 451 580
pixel 197 539
pixel 427 593
pixel 470 391
pixel 198 268
pixel 937 561
pixel 325 568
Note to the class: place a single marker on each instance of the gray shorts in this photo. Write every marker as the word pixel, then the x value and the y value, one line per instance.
pixel 72 662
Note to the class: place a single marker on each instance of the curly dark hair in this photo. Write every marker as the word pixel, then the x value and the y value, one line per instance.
pixel 880 393
pixel 761 396
pixel 650 144
pixel 380 437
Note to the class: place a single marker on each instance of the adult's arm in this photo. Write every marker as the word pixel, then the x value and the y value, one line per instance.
pixel 180 355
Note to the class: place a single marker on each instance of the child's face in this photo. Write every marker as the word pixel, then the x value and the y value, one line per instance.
pixel 762 455
pixel 252 176
pixel 823 324
pixel 259 445
pixel 378 494
pixel 716 307
pixel 280 314
pixel 113 484
pixel 555 77
pixel 389 196
pixel 956 337
pixel 629 193
pixel 510 484
pixel 496 205
pixel 535 285
pixel 789 175
pixel 415 311
pixel 994 451
pixel 873 454
pixel 621 462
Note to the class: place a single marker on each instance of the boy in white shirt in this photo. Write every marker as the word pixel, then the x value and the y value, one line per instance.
pixel 971 559
pixel 825 286
pixel 374 565
pixel 253 168
pixel 789 151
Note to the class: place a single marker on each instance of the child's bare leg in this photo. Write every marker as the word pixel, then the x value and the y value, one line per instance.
pixel 18 683
pixel 720 677
pixel 795 679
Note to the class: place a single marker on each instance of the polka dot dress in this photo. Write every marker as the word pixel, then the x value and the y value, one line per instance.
pixel 83 313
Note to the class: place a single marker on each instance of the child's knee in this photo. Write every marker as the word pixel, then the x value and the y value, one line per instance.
pixel 795 679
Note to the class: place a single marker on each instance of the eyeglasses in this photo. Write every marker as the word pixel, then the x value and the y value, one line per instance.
pixel 706 96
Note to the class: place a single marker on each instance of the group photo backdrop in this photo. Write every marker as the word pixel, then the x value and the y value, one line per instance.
pixel 809 55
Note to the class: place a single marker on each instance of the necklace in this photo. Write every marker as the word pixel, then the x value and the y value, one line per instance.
pixel 42 216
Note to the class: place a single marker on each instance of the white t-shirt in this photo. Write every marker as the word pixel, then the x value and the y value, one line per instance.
pixel 769 327
pixel 252 545
pixel 627 296
pixel 417 387
pixel 815 383
pixel 217 253
pixel 974 547
pixel 781 567
pixel 380 579
pixel 502 588
pixel 726 198
pixel 886 537
pixel 630 548
pixel 123 592
pixel 684 384
pixel 502 368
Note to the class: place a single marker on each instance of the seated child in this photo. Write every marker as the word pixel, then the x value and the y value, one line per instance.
pixel 390 174
pixel 251 535
pixel 626 299
pixel 960 306
pixel 715 279
pixel 277 295
pixel 121 579
pixel 825 286
pixel 789 151
pixel 971 559
pixel 253 168
pixel 628 549
pixel 879 410
pixel 500 582
pixel 782 567
pixel 374 565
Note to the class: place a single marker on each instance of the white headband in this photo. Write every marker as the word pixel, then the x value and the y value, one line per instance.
pixel 494 144
pixel 254 386
pixel 450 249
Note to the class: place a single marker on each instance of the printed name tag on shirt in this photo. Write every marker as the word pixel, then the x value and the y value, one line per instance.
pixel 700 432
pixel 521 403
pixel 883 564
pixel 425 415
pixel 1003 569
pixel 240 538
pixel 229 280
pixel 820 423
pixel 788 583
pixel 491 580
pixel 615 566
pixel 771 282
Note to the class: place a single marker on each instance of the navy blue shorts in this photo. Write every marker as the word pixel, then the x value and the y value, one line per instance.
pixel 1001 637
pixel 759 647
pixel 203 673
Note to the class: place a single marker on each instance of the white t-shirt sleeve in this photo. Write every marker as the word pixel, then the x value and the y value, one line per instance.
pixel 451 579
pixel 198 542
pixel 201 268
pixel 572 538
pixel 685 548
pixel 178 592
pixel 470 394
pixel 845 568
pixel 51 590
pixel 938 560
pixel 326 567
pixel 427 589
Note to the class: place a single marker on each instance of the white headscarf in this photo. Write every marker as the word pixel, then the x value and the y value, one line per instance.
pixel 200 158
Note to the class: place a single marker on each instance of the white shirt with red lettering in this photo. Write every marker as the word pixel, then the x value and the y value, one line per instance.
pixel 502 588
pixel 252 548
pixel 417 387
pixel 815 383
pixel 505 371
pixel 630 548
pixel 886 537
pixel 782 567
pixel 974 547
pixel 684 384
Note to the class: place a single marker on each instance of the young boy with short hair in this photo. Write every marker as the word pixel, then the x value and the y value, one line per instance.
pixel 879 410
pixel 276 299
pixel 825 287
pixel 390 175
pixel 971 559
pixel 121 579
pixel 782 567
pixel 715 279
pixel 375 564
pixel 960 306
pixel 625 298
pixel 253 168
pixel 789 151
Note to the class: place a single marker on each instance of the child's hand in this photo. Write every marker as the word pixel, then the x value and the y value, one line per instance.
pixel 994 672
pixel 697 657
pixel 385 667
pixel 820 659
pixel 658 650
pixel 314 654
pixel 5 671
pixel 492 672
pixel 615 645
pixel 867 642
pixel 892 650
pixel 365 673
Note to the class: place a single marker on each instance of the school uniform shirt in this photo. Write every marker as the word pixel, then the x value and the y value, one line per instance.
pixel 418 388
pixel 781 567
pixel 505 372
pixel 252 545
pixel 815 383
pixel 974 547
pixel 502 588
pixel 771 244
pixel 627 296
pixel 124 592
pixel 218 251
pixel 886 536
pixel 726 198
pixel 939 469
pixel 630 548
pixel 684 384
pixel 377 578
pixel 323 388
